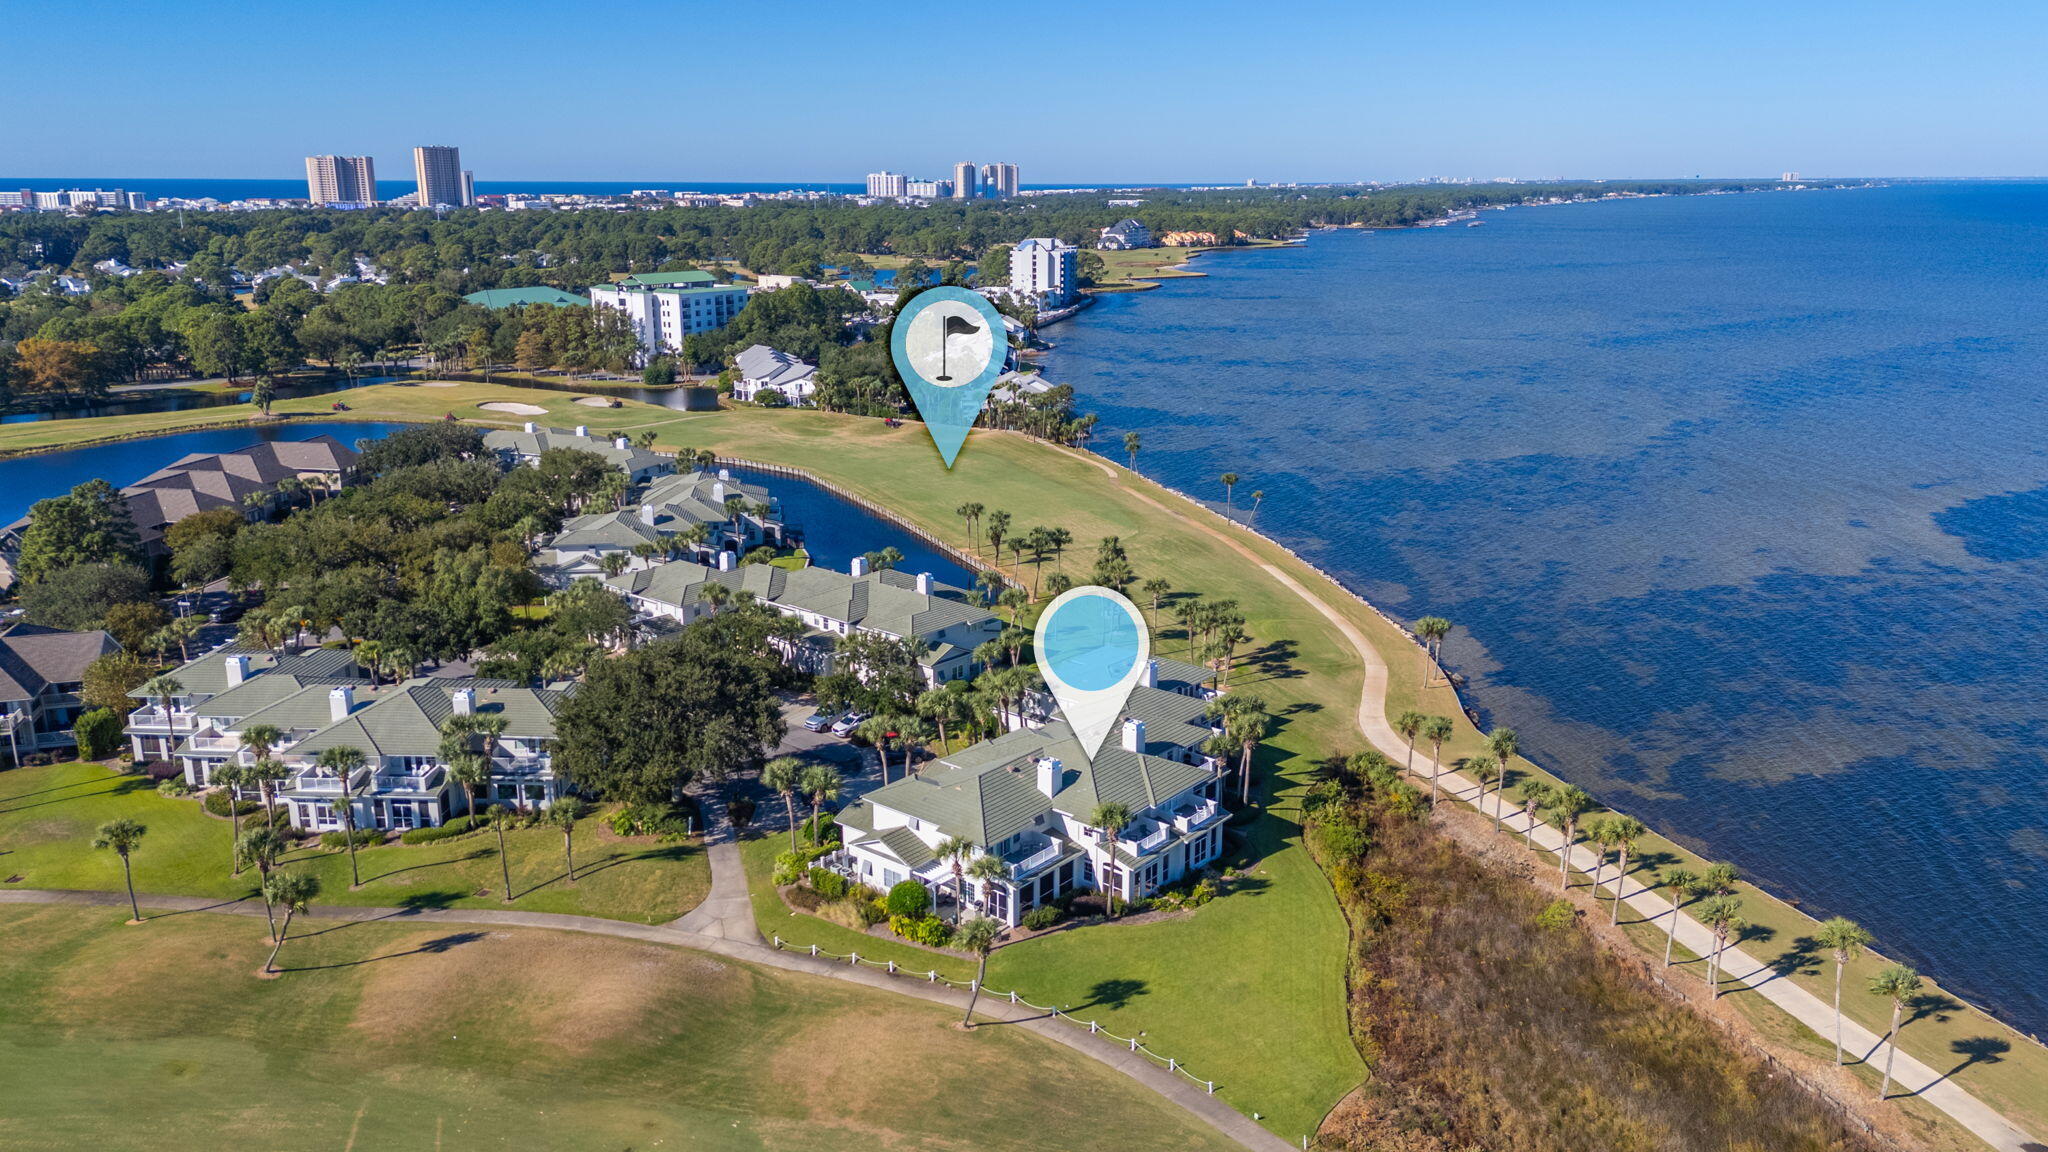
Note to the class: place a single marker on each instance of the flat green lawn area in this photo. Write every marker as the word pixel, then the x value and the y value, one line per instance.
pixel 776 918
pixel 48 817
pixel 431 1036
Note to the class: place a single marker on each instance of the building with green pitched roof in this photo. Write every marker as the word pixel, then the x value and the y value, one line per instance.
pixel 515 297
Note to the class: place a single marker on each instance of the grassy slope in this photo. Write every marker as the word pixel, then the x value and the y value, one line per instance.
pixel 1008 471
pixel 48 816
pixel 426 1037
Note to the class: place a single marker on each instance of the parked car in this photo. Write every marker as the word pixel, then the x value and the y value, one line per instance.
pixel 848 723
pixel 820 721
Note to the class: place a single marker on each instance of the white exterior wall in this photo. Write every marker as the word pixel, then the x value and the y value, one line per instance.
pixel 1047 268
pixel 662 318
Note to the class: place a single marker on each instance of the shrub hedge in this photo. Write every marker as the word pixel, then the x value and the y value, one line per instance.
pixel 459 826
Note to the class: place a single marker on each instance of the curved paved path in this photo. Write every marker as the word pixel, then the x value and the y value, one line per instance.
pixel 724 924
pixel 1910 1076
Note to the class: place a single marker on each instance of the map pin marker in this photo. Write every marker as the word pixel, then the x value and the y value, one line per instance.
pixel 949 345
pixel 1092 647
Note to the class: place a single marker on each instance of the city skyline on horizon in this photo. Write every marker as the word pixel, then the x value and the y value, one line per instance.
pixel 1311 92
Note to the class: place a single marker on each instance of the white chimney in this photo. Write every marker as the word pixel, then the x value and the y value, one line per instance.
pixel 648 515
pixel 464 701
pixel 583 430
pixel 530 428
pixel 1151 677
pixel 1134 734
pixel 238 670
pixel 1050 776
pixel 924 583
pixel 718 493
pixel 621 443
pixel 859 566
pixel 725 473
pixel 341 700
pixel 725 560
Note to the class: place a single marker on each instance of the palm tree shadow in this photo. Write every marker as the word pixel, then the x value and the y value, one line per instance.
pixel 612 860
pixel 1932 1004
pixel 1805 951
pixel 1112 994
pixel 1973 1050
pixel 122 787
pixel 476 854
pixel 432 947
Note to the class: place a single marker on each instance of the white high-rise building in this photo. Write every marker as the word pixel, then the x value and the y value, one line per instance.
pixel 1046 268
pixel 341 180
pixel 929 189
pixel 998 180
pixel 889 185
pixel 965 178
pixel 663 316
pixel 437 169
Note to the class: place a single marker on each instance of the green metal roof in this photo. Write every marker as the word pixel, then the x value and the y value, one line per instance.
pixel 690 279
pixel 513 297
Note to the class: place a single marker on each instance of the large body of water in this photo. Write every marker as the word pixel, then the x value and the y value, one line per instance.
pixel 1740 504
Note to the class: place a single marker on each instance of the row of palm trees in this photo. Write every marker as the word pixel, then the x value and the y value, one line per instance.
pixel 1712 890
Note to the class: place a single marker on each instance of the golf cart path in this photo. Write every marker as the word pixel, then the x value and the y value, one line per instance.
pixel 1909 1075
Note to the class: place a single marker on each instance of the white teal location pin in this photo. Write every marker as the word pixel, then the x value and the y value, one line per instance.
pixel 949 346
pixel 1092 646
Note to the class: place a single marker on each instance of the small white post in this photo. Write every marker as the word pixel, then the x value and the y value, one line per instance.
pixel 932 976
pixel 892 967
pixel 778 940
pixel 1013 996
pixel 853 958
pixel 1172 1065
pixel 1134 1043
pixel 1091 1027
pixel 814 951
pixel 1212 1086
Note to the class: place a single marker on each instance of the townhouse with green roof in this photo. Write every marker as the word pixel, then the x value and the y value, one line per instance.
pixel 950 622
pixel 319 700
pixel 668 512
pixel 525 446
pixel 1026 798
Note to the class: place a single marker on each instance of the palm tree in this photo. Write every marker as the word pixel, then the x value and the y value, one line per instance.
pixel 501 819
pixel 1110 818
pixel 471 771
pixel 123 837
pixel 1258 498
pixel 261 740
pixel 821 783
pixel 1409 725
pixel 984 870
pixel 1245 721
pixel 714 595
pixel 1501 742
pixel 1719 879
pixel 1623 831
pixel 1846 939
pixel 267 774
pixel 1723 916
pixel 1486 770
pixel 344 762
pixel 564 814
pixel 1566 804
pixel 1057 539
pixel 294 891
pixel 369 656
pixel 1229 480
pixel 1535 793
pixel 998 527
pixel 261 849
pixel 941 708
pixel 1598 835
pixel 229 776
pixel 1677 883
pixel 979 937
pixel 162 689
pixel 1131 445
pixel 1432 629
pixel 785 775
pixel 956 851
pixel 1436 730
pixel 1155 590
pixel 1900 984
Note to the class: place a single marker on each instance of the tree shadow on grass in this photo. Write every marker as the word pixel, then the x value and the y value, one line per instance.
pixel 1974 1050
pixel 123 784
pixel 122 787
pixel 1802 956
pixel 1931 1004
pixel 1112 994
pixel 431 948
pixel 480 853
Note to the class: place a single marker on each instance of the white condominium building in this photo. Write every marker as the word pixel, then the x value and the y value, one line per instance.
pixel 1045 267
pixel 663 316
pixel 341 180
pixel 887 184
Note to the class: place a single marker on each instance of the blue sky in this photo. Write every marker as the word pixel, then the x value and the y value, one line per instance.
pixel 790 89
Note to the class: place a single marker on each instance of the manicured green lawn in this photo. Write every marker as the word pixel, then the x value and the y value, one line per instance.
pixel 776 918
pixel 428 1037
pixel 48 817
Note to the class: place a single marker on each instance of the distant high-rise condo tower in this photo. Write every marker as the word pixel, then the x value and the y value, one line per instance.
pixel 887 184
pixel 438 171
pixel 964 181
pixel 468 187
pixel 341 180
pixel 998 180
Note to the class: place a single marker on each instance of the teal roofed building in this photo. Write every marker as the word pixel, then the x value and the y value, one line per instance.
pixel 514 297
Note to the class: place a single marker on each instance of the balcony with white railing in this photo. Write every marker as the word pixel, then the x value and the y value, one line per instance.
pixel 1035 859
pixel 154 720
pixel 1189 817
pixel 322 785
pixel 424 780
pixel 1152 841
pixel 213 744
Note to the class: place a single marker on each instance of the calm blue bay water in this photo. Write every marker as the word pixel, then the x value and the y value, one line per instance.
pixel 1740 504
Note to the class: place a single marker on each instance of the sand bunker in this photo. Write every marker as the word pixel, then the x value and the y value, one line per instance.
pixel 515 409
pixel 597 401
pixel 440 383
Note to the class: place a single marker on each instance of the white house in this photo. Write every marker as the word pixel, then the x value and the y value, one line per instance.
pixel 763 367
pixel 1045 269
pixel 1027 798
pixel 951 622
pixel 1123 234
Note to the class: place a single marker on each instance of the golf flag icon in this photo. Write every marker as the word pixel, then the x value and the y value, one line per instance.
pixel 949 348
